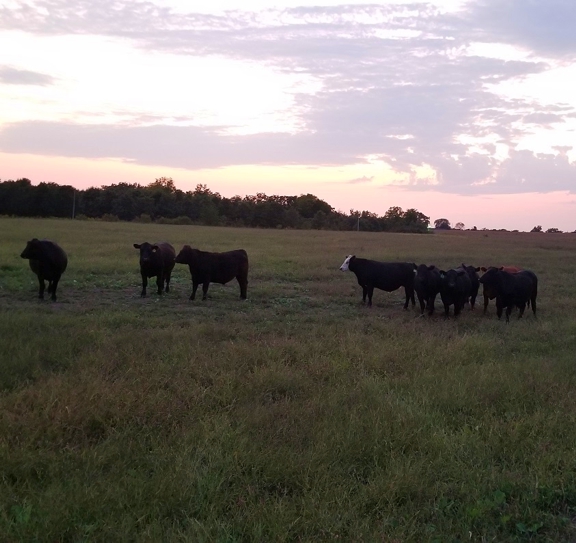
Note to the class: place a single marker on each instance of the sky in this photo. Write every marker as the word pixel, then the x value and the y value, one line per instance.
pixel 464 110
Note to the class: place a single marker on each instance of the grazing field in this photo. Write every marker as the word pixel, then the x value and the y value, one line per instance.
pixel 297 415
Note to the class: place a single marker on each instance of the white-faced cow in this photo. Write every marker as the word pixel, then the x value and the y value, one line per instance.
pixel 206 268
pixel 512 289
pixel 156 260
pixel 454 289
pixel 387 276
pixel 427 284
pixel 48 261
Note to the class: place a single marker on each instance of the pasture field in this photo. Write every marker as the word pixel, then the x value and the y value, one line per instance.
pixel 297 415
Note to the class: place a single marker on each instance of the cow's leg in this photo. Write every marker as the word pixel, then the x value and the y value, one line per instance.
pixel 508 311
pixel 409 296
pixel 144 285
pixel 205 286
pixel 42 286
pixel 160 282
pixel 168 276
pixel 472 301
pixel 194 289
pixel 243 286
pixel 370 291
pixel 54 284
pixel 533 300
pixel 458 306
pixel 446 309
pixel 486 299
pixel 422 303
pixel 521 307
pixel 431 301
pixel 50 287
pixel 499 307
pixel 364 293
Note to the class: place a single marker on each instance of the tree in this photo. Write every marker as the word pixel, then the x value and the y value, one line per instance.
pixel 442 224
pixel 536 229
pixel 164 182
pixel 459 226
pixel 553 231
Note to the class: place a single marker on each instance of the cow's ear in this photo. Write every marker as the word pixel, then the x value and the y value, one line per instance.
pixel 430 268
pixel 136 246
pixel 463 266
pixel 483 268
pixel 478 269
pixel 501 268
pixel 414 266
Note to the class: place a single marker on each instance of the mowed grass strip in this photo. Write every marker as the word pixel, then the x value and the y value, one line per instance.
pixel 297 415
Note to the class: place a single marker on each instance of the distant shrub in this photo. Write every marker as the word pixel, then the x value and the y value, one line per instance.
pixel 183 219
pixel 108 217
pixel 143 218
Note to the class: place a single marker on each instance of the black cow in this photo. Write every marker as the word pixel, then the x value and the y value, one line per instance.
pixel 454 289
pixel 48 261
pixel 427 284
pixel 386 276
pixel 220 268
pixel 490 292
pixel 474 282
pixel 156 261
pixel 512 289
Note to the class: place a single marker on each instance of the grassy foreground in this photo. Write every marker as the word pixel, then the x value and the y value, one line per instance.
pixel 297 415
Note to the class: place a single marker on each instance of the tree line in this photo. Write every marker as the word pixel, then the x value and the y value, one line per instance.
pixel 162 202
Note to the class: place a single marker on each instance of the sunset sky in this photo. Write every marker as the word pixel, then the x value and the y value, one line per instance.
pixel 463 110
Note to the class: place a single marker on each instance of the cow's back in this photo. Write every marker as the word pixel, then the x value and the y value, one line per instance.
pixel 233 262
pixel 223 267
pixel 393 275
pixel 168 255
pixel 52 261
pixel 385 275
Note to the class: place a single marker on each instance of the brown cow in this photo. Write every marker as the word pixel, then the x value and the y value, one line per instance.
pixel 489 291
pixel 220 268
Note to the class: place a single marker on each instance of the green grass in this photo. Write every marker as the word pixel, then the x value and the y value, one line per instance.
pixel 297 415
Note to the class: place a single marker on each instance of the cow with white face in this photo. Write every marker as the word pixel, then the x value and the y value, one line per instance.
pixel 346 263
pixel 387 276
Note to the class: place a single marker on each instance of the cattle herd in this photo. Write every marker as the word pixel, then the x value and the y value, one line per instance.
pixel 48 261
pixel 511 286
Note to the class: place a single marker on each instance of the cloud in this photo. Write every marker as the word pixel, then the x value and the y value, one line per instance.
pixel 13 76
pixel 360 180
pixel 397 83
pixel 545 27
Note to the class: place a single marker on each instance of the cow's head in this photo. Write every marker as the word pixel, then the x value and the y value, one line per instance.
pixel 422 271
pixel 346 264
pixel 490 276
pixel 185 255
pixel 148 252
pixel 32 250
pixel 450 277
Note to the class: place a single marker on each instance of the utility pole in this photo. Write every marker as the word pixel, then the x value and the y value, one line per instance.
pixel 358 224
